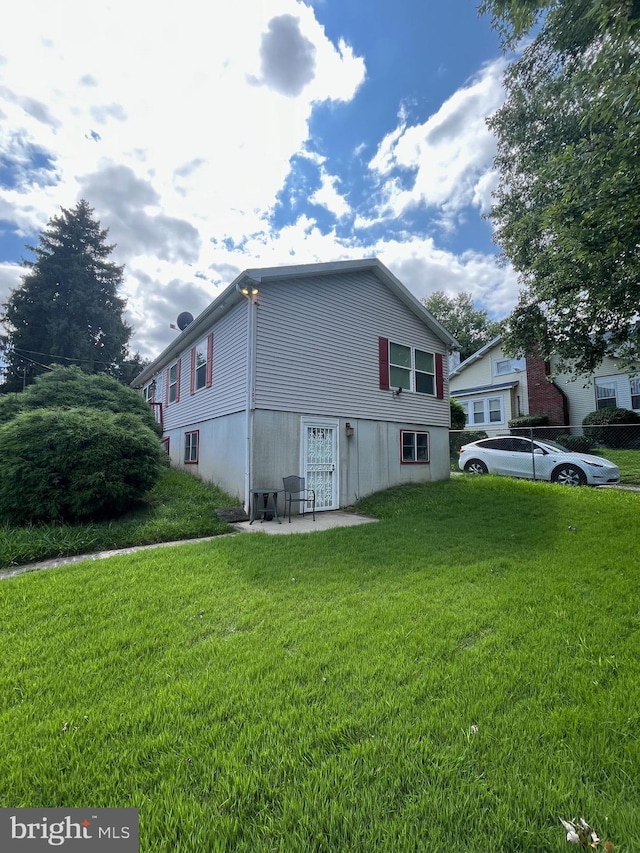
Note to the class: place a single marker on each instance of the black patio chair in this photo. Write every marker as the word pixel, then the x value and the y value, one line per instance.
pixel 295 492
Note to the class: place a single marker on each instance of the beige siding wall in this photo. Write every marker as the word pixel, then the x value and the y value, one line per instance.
pixel 481 374
pixel 581 392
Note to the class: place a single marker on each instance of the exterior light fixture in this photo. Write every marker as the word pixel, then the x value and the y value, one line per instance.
pixel 248 291
pixel 349 429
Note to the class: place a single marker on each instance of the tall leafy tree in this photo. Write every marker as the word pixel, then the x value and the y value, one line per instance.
pixel 67 308
pixel 567 210
pixel 469 325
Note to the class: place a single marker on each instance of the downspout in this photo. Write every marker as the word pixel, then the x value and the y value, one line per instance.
pixel 250 293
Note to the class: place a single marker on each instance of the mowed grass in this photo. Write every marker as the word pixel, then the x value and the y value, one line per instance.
pixel 628 461
pixel 454 678
pixel 179 507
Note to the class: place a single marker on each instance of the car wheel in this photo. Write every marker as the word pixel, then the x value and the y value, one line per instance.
pixel 569 475
pixel 476 466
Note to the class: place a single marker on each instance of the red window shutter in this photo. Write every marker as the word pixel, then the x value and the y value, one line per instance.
pixel 383 363
pixel 439 377
pixel 166 386
pixel 192 387
pixel 210 360
pixel 178 382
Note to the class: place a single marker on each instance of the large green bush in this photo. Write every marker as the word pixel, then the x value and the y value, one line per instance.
pixel 75 465
pixel 458 415
pixel 575 443
pixel 613 427
pixel 458 439
pixel 70 388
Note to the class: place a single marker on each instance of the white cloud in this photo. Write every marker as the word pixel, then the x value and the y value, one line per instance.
pixel 444 161
pixel 148 110
pixel 179 125
pixel 329 196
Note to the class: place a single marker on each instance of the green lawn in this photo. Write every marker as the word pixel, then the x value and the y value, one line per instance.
pixel 456 677
pixel 628 461
pixel 179 507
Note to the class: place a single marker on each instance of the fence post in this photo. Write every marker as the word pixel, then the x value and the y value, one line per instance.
pixel 533 455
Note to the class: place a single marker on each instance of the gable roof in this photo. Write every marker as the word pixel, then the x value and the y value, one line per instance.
pixel 477 355
pixel 231 295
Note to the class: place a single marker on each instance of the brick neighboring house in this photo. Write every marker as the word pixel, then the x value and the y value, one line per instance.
pixel 494 388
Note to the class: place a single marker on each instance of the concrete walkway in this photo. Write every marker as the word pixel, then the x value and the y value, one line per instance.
pixel 306 524
pixel 324 521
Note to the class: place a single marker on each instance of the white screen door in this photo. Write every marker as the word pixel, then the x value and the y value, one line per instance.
pixel 320 460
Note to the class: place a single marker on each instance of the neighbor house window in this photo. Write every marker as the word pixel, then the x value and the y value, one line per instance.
pixel 412 369
pixel 484 411
pixel 148 392
pixel 165 444
pixel 191 446
pixel 414 446
pixel 605 394
pixel 635 393
pixel 508 365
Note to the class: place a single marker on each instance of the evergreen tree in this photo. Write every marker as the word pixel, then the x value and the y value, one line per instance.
pixel 67 309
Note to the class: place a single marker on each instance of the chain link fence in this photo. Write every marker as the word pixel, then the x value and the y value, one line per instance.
pixel 619 443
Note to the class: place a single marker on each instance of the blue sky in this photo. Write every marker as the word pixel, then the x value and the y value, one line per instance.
pixel 264 133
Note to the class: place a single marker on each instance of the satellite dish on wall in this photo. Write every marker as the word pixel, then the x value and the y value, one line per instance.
pixel 184 319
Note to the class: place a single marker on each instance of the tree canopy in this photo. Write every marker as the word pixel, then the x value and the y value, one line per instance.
pixel 72 388
pixel 567 210
pixel 469 325
pixel 67 308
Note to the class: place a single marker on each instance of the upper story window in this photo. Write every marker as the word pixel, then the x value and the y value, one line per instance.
pixel 174 382
pixel 503 366
pixel 201 364
pixel 148 392
pixel 412 369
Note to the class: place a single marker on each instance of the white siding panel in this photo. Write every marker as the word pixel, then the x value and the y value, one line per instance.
pixel 222 448
pixel 317 349
pixel 227 393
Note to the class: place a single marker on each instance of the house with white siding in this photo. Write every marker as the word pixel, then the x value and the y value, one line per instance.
pixel 493 388
pixel 334 372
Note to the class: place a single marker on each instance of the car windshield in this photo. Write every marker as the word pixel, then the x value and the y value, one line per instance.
pixel 553 444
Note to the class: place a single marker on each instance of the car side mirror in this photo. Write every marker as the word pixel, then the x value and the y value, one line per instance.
pixel 538 451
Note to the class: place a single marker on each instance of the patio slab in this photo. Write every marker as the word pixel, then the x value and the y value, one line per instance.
pixel 304 524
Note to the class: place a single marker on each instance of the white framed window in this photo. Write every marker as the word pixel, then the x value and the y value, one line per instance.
pixel 606 396
pixel 148 392
pixel 484 411
pixel 414 447
pixel 412 369
pixel 634 387
pixel 502 366
pixel 174 382
pixel 200 366
pixel 191 447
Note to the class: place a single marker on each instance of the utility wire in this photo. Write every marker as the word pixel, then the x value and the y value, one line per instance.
pixel 61 357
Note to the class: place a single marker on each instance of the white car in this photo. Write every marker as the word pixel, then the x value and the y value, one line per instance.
pixel 513 456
